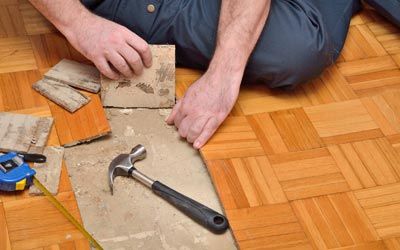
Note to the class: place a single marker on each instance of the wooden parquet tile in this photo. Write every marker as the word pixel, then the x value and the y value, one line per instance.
pixel 314 168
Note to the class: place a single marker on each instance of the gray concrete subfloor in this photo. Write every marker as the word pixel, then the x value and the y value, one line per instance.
pixel 134 218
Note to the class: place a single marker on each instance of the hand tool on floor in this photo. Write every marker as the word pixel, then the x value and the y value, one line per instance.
pixel 123 165
pixel 15 174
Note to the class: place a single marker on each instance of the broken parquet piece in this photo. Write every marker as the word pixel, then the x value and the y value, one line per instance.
pixel 24 133
pixel 62 94
pixel 155 88
pixel 78 75
pixel 48 173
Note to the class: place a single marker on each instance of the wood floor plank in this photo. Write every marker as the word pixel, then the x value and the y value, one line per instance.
pixel 16 55
pixel 4 237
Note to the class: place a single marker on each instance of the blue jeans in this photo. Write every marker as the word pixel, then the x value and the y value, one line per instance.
pixel 300 39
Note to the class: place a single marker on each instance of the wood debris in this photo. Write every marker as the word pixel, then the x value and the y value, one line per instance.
pixel 61 94
pixel 48 173
pixel 75 74
pixel 24 133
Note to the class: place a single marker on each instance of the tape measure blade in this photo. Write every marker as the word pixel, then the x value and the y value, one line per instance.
pixel 67 214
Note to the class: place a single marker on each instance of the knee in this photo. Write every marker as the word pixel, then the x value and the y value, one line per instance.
pixel 298 63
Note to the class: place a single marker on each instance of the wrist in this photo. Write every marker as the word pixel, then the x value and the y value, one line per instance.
pixel 72 26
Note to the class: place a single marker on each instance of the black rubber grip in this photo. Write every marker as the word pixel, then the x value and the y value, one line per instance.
pixel 38 158
pixel 210 219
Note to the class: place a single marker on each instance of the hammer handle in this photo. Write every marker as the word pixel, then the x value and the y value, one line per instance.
pixel 205 216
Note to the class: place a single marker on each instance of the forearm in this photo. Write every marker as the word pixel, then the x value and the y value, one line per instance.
pixel 64 14
pixel 240 25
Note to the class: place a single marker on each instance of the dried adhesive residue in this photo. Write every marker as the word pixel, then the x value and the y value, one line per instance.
pixel 166 72
pixel 163 92
pixel 123 84
pixel 145 87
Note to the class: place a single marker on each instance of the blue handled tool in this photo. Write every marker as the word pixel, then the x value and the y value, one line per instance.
pixel 15 174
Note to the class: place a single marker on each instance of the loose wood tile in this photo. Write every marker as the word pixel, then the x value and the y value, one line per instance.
pixel 16 54
pixel 62 94
pixel 49 173
pixel 308 173
pixel 153 89
pixel 75 74
pixel 382 206
pixel 334 221
pixel 24 133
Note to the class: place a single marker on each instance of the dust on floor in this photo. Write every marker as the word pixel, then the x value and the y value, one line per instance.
pixel 134 218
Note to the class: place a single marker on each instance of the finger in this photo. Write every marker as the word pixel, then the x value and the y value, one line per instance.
pixel 175 110
pixel 120 64
pixel 208 130
pixel 133 59
pixel 196 128
pixel 103 66
pixel 142 47
pixel 185 125
pixel 179 118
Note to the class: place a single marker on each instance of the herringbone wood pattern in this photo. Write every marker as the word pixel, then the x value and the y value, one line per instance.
pixel 317 168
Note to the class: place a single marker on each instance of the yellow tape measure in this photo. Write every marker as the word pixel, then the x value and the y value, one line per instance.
pixel 67 214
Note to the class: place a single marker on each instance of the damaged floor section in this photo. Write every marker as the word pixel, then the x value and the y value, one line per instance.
pixel 134 218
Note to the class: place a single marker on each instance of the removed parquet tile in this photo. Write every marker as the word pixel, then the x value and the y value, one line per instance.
pixel 267 227
pixel 153 89
pixel 343 122
pixel 24 133
pixel 62 94
pixel 308 173
pixel 48 173
pixel 78 75
pixel 87 123
pixel 382 206
pixel 334 221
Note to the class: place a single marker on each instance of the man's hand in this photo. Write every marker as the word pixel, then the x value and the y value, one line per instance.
pixel 114 49
pixel 204 107
pixel 208 101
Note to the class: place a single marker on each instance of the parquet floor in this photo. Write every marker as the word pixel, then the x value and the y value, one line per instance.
pixel 317 168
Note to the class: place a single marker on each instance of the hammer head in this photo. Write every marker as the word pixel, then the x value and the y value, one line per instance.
pixel 122 165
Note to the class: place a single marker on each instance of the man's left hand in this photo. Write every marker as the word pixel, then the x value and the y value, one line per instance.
pixel 205 106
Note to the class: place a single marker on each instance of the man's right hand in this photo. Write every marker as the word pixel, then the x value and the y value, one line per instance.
pixel 115 50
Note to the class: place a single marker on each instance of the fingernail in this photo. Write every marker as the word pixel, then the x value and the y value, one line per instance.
pixel 196 144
